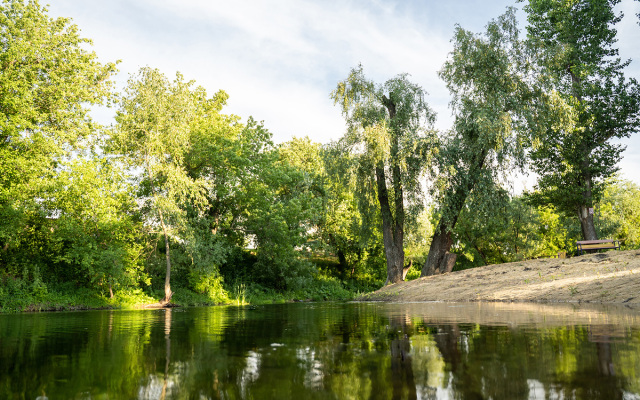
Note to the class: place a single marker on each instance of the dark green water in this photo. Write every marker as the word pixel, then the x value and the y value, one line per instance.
pixel 324 351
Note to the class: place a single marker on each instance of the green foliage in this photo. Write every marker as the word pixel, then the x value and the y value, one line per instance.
pixel 96 228
pixel 48 80
pixel 518 231
pixel 153 135
pixel 496 102
pixel 320 288
pixel 28 292
pixel 178 189
pixel 17 292
pixel 389 137
pixel 212 295
pixel 581 66
pixel 283 209
pixel 209 284
pixel 493 102
pixel 619 212
pixel 349 228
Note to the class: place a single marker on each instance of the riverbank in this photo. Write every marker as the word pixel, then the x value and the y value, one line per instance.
pixel 610 277
pixel 20 297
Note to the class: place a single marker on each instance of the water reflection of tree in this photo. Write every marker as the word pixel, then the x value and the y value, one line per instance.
pixel 402 380
pixel 478 367
pixel 501 362
pixel 348 352
pixel 167 339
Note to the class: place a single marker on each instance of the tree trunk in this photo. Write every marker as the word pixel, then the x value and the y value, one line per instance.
pixel 391 236
pixel 437 258
pixel 392 225
pixel 342 260
pixel 586 223
pixel 167 285
pixel 167 279
pixel 585 217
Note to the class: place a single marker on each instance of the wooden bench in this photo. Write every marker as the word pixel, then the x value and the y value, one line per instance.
pixel 604 244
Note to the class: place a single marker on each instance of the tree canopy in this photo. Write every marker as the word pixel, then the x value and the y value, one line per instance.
pixel 577 54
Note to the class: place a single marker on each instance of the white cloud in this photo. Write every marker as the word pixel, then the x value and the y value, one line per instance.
pixel 280 59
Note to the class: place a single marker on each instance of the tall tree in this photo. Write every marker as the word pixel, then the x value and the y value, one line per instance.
pixel 493 102
pixel 153 133
pixel 48 80
pixel 387 127
pixel 577 39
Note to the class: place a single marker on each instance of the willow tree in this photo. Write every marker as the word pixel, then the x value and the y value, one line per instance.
pixel 153 134
pixel 495 106
pixel 577 40
pixel 387 131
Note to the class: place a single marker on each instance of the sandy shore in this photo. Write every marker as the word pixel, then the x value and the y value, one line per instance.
pixel 610 277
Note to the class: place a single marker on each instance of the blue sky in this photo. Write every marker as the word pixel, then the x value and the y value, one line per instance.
pixel 279 60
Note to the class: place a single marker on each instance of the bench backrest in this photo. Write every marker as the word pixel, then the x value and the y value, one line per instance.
pixel 608 245
pixel 601 244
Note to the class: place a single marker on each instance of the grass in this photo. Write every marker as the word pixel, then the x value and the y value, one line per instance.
pixel 17 295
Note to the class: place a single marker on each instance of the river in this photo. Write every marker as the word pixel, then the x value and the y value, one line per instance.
pixel 325 351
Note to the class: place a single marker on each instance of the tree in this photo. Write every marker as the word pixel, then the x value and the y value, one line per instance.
pixel 620 209
pixel 494 103
pixel 578 56
pixel 96 231
pixel 48 80
pixel 387 126
pixel 153 135
pixel 351 218
pixel 223 154
pixel 283 212
pixel 257 194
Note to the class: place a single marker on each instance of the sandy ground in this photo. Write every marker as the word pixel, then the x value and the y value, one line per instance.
pixel 609 277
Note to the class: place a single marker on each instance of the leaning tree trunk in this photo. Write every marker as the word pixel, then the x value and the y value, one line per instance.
pixel 439 259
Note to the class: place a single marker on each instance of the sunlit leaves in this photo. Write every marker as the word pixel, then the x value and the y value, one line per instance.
pixel 96 227
pixel 153 134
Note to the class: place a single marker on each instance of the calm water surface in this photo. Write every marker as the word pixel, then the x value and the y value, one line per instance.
pixel 324 351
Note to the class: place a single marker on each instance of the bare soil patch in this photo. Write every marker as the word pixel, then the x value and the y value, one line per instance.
pixel 610 277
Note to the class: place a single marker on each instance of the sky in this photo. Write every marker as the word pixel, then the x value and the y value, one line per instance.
pixel 279 60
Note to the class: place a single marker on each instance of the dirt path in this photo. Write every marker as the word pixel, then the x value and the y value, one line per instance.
pixel 611 277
